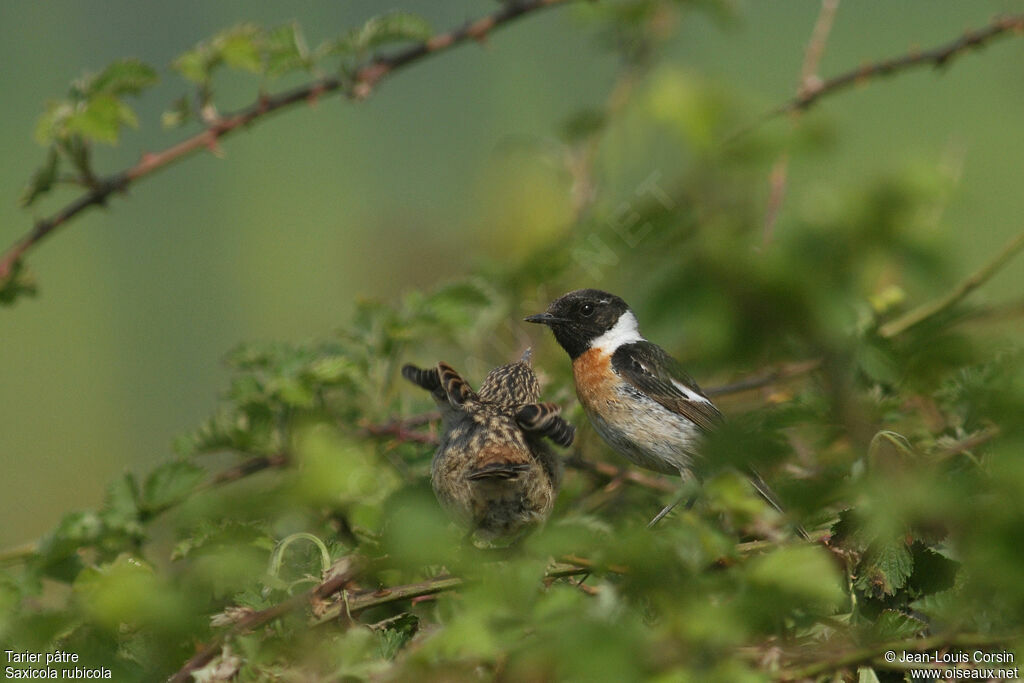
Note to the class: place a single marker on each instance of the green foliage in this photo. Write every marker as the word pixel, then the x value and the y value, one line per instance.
pixel 18 283
pixel 394 27
pixel 95 109
pixel 900 453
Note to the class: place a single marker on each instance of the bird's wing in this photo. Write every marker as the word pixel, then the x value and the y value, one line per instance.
pixel 426 379
pixel 457 389
pixel 544 419
pixel 649 369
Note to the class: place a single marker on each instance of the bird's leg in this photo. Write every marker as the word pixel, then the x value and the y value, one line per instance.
pixel 680 497
pixel 667 509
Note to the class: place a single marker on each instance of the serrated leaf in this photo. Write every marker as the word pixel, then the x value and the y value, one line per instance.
pixel 293 391
pixel 330 369
pixel 933 572
pixel 42 180
pixel 120 505
pixel 169 484
pixel 123 77
pixel 239 47
pixel 893 625
pixel 195 64
pixel 286 50
pixel 393 27
pixel 101 118
pixel 884 569
pixel 58 551
pixel 51 123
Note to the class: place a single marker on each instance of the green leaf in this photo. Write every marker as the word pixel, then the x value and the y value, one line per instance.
pixel 866 675
pixel 120 506
pixel 123 77
pixel 330 369
pixel 804 571
pixel 239 47
pixel 884 569
pixel 51 123
pixel 169 484
pixel 101 118
pixel 293 391
pixel 893 625
pixel 196 64
pixel 42 180
pixel 79 153
pixel 933 572
pixel 286 50
pixel 394 27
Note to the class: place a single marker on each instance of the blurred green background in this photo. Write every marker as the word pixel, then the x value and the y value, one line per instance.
pixel 319 206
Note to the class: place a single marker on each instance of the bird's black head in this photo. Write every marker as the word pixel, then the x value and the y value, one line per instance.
pixel 581 318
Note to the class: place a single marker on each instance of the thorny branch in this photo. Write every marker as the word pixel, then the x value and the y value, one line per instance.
pixel 251 620
pixel 808 80
pixel 348 606
pixel 938 57
pixel 926 311
pixel 359 86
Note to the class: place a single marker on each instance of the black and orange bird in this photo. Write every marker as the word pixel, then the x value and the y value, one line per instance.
pixel 493 471
pixel 637 397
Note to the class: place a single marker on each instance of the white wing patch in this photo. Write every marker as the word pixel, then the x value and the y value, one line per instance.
pixel 690 393
pixel 625 331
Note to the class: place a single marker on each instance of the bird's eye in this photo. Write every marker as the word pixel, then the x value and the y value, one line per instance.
pixel 587 310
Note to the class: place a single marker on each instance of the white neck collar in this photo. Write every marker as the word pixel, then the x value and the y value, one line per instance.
pixel 625 331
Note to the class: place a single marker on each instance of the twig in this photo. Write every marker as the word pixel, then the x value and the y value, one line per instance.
pixel 400 429
pixel 970 443
pixel 765 378
pixel 359 86
pixel 938 56
pixel 808 81
pixel 816 45
pixel 18 554
pixel 350 605
pixel 257 619
pixel 918 315
pixel 875 652
pixel 247 467
pixel 999 313
pixel 609 471
pixel 364 600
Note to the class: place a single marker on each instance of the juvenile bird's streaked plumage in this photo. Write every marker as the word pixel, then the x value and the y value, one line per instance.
pixel 637 397
pixel 493 471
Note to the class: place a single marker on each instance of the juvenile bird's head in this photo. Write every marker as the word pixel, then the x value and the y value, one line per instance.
pixel 512 384
pixel 589 318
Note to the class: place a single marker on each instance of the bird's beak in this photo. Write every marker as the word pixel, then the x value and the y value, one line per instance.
pixel 544 319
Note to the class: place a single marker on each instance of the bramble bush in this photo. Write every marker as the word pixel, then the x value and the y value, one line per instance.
pixel 294 536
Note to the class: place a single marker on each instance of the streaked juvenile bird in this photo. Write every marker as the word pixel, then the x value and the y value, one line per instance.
pixel 637 397
pixel 493 471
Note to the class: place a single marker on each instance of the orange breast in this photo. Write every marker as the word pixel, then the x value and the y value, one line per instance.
pixel 594 378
